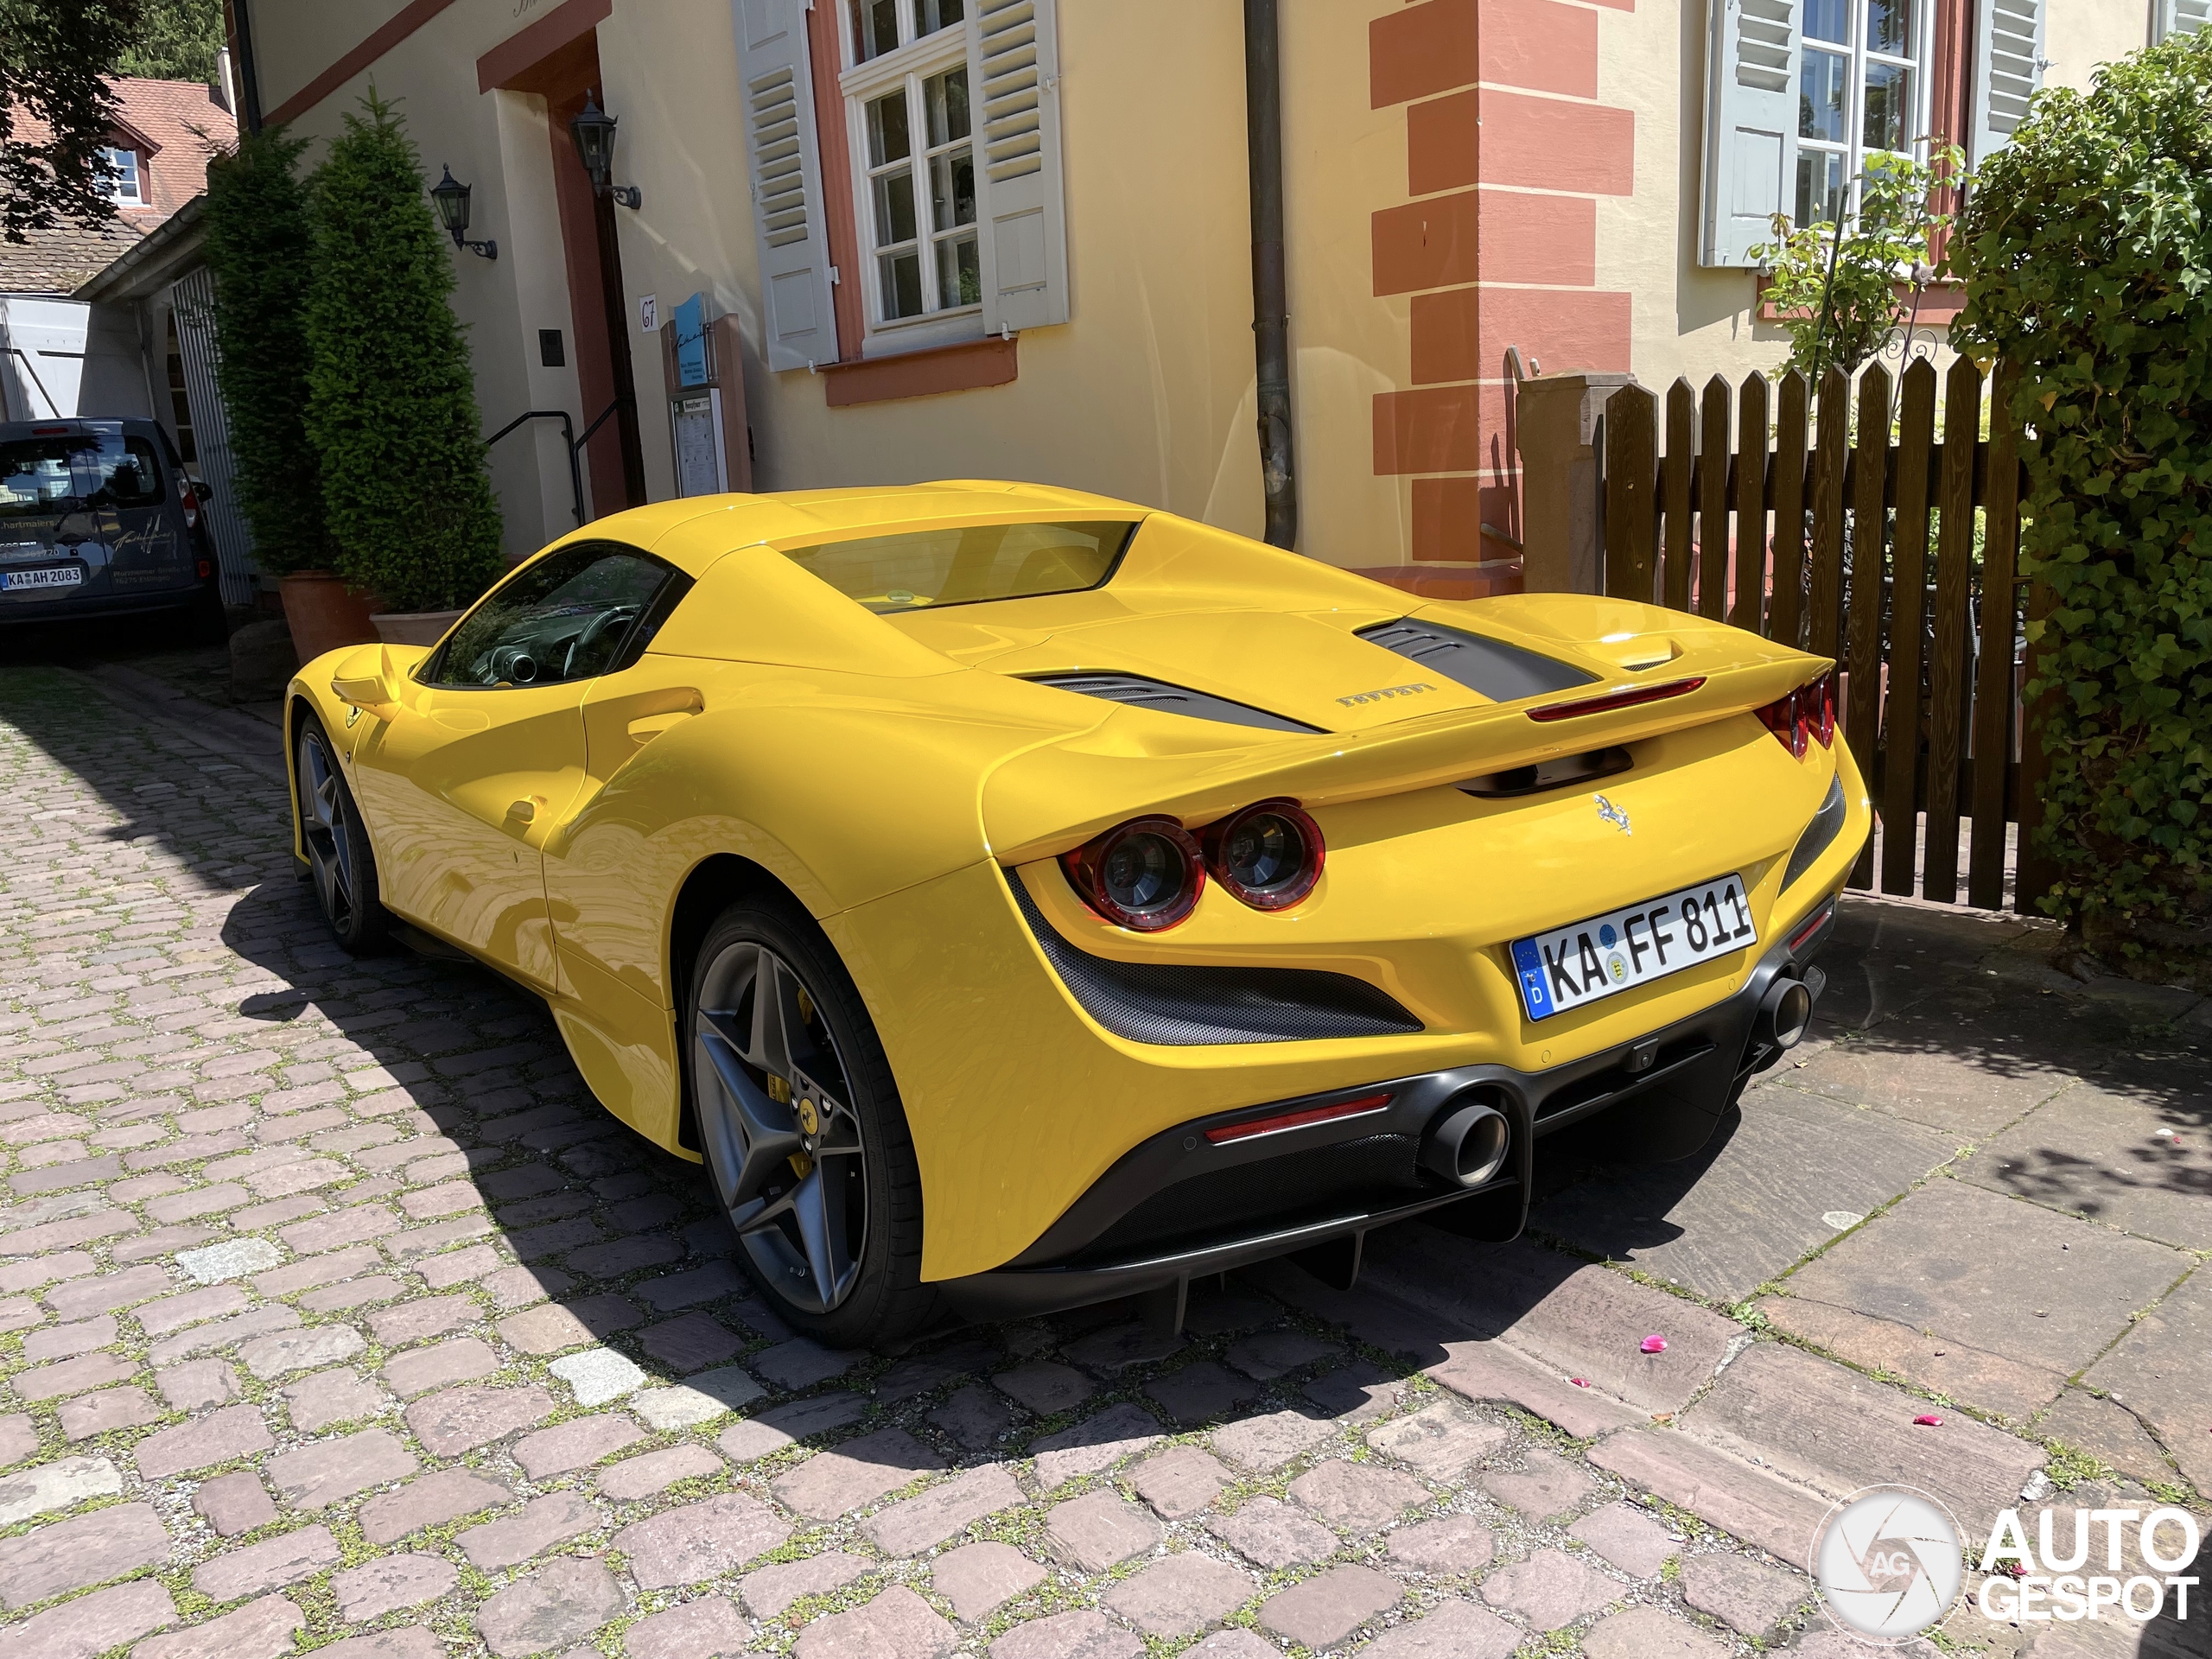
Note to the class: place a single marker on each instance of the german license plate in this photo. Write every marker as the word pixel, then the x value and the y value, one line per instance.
pixel 1572 967
pixel 60 575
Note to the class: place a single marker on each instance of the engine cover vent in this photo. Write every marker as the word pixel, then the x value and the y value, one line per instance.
pixel 1141 693
pixel 1501 672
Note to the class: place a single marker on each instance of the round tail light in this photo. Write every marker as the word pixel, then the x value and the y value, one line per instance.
pixel 1268 856
pixel 1146 874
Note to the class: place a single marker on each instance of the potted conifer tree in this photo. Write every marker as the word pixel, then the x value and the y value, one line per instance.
pixel 391 403
pixel 257 241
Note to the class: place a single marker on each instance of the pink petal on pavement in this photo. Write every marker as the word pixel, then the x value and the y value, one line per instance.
pixel 1928 1419
pixel 1579 1381
pixel 1654 1344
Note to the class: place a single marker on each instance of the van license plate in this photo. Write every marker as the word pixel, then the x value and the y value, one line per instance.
pixel 60 575
pixel 1570 968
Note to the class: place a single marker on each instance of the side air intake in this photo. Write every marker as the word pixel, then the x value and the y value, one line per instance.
pixel 1501 672
pixel 1191 1007
pixel 1820 833
pixel 1141 693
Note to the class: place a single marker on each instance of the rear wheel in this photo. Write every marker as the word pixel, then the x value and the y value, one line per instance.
pixel 340 862
pixel 806 1143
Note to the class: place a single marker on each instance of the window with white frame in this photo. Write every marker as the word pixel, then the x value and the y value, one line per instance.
pixel 949 114
pixel 120 170
pixel 907 100
pixel 1859 89
pixel 1800 92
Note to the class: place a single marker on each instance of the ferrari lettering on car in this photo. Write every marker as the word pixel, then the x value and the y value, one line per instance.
pixel 989 887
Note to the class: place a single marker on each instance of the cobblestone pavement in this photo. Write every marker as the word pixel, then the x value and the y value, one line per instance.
pixel 337 1316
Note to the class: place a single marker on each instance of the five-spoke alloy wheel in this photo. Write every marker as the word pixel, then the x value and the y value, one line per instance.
pixel 804 1139
pixel 340 862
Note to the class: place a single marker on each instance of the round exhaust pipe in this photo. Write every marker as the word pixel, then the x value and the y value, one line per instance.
pixel 1467 1144
pixel 1784 1013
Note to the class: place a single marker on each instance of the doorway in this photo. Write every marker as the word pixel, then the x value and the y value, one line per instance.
pixel 613 455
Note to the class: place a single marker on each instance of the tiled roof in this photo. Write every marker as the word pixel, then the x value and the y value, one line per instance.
pixel 185 125
pixel 57 260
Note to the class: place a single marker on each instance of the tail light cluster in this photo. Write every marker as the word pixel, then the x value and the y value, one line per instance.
pixel 1146 874
pixel 1805 717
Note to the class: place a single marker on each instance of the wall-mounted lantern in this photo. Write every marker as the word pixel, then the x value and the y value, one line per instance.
pixel 593 130
pixel 450 197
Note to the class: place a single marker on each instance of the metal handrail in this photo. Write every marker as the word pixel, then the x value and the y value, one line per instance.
pixel 569 435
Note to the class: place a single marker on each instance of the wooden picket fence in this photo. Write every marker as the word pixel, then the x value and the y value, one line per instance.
pixel 1833 545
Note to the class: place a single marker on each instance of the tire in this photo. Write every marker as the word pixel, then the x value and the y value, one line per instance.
pixel 340 862
pixel 807 1147
pixel 209 623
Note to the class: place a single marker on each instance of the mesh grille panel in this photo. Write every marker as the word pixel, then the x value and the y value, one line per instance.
pixel 1188 1008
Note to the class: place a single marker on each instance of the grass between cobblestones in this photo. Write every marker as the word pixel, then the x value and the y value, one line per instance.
pixel 177 1022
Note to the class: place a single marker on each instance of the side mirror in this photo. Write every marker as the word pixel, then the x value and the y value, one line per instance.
pixel 369 687
pixel 205 491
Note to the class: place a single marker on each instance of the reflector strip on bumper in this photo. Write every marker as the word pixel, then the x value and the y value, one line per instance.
pixel 1297 1120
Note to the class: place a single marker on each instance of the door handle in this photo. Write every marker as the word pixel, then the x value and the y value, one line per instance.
pixel 647 728
pixel 524 810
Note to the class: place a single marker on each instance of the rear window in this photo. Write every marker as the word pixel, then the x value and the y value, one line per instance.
pixel 929 568
pixel 76 469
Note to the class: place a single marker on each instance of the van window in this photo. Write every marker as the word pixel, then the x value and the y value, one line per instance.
pixel 76 469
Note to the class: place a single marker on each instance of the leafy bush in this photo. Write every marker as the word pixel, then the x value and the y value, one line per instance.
pixel 1837 299
pixel 391 403
pixel 257 242
pixel 2087 247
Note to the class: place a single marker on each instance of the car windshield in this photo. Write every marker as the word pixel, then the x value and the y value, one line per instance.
pixel 76 469
pixel 929 568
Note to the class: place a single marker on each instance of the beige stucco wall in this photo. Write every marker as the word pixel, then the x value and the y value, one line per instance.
pixel 1147 393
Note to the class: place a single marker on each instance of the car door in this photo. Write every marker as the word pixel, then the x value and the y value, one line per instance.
pixel 483 754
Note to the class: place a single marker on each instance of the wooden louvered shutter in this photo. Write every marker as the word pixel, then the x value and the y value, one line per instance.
pixel 2183 17
pixel 2008 66
pixel 1751 125
pixel 797 326
pixel 1014 61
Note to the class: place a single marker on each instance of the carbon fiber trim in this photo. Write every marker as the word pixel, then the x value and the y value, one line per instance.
pixel 1141 693
pixel 1193 1007
pixel 1820 833
pixel 1502 673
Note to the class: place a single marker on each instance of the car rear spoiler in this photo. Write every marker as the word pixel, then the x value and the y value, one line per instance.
pixel 1055 796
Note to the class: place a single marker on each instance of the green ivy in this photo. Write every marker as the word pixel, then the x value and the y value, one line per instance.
pixel 392 404
pixel 2087 247
pixel 256 242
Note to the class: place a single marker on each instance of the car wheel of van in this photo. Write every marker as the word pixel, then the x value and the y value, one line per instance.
pixel 340 862
pixel 807 1147
pixel 209 622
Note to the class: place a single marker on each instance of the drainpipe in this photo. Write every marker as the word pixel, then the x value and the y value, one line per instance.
pixel 1270 297
pixel 241 45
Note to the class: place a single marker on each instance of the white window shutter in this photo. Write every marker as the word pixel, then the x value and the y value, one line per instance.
pixel 1751 125
pixel 797 325
pixel 2183 17
pixel 1013 76
pixel 2008 64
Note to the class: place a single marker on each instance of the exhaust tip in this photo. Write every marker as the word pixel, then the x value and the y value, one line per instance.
pixel 1785 1012
pixel 1467 1144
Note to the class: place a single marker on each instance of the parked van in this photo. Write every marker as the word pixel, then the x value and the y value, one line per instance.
pixel 99 518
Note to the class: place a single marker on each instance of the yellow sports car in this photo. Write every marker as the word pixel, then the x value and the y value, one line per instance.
pixel 1020 898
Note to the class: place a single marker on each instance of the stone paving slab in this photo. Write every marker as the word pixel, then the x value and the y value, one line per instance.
pixel 1754 1201
pixel 2139 1161
pixel 333 1310
pixel 1994 1273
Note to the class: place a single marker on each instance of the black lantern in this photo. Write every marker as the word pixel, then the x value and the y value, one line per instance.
pixel 450 197
pixel 593 130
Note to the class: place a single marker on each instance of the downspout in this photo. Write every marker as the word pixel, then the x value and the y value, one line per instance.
pixel 1270 294
pixel 241 43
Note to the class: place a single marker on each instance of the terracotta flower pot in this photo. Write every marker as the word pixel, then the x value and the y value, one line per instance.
pixel 413 627
pixel 324 613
